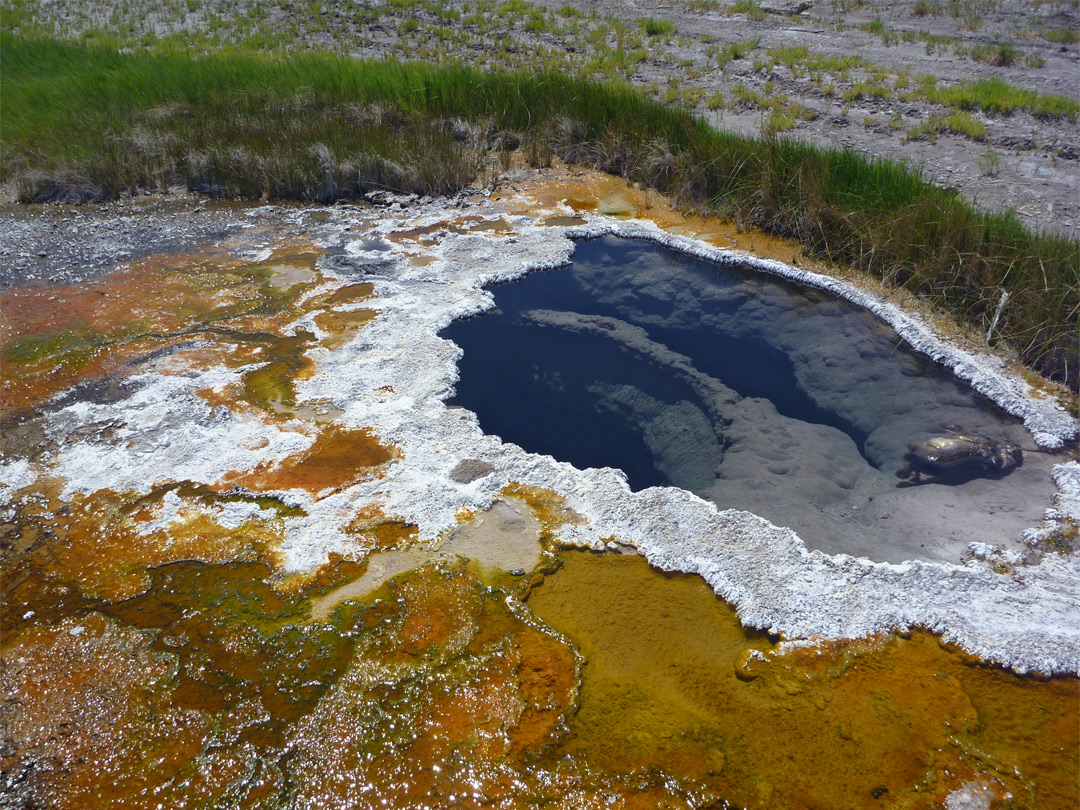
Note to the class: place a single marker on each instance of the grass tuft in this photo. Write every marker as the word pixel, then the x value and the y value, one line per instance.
pixel 656 28
pixel 997 96
pixel 958 123
pixel 999 55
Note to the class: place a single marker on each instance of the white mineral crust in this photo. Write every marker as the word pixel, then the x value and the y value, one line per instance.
pixel 1029 619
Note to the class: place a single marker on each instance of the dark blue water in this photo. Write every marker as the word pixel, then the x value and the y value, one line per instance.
pixel 751 391
pixel 533 394
pixel 535 385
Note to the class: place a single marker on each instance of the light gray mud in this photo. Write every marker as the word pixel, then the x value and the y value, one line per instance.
pixel 505 536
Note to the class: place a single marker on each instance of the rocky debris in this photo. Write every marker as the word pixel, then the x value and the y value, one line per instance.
pixel 787 9
pixel 959 458
pixel 70 244
pixel 351 266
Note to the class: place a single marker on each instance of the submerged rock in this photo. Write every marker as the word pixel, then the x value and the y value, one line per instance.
pixel 959 458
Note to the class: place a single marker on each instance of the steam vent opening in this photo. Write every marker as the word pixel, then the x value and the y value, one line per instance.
pixel 753 393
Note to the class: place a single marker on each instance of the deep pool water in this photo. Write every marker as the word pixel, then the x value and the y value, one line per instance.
pixel 750 391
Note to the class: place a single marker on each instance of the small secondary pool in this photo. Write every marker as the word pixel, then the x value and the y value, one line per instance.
pixel 750 391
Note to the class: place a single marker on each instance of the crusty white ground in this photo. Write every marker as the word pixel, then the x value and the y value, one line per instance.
pixel 394 376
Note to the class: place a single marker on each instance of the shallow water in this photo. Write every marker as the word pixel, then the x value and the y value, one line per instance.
pixel 614 684
pixel 750 391
pixel 672 681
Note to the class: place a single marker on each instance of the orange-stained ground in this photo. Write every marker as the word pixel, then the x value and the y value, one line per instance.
pixel 339 457
pixel 614 681
pixel 152 657
pixel 882 722
pixel 52 337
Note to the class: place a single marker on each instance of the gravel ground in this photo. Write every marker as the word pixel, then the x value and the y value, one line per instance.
pixel 1026 163
pixel 71 243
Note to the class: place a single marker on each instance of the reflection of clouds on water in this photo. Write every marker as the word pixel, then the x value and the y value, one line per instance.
pixel 749 391
pixel 843 360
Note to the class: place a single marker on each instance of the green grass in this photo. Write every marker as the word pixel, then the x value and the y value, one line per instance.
pixel 1001 54
pixel 1065 35
pixel 777 121
pixel 997 96
pixel 798 57
pixel 958 123
pixel 749 8
pixel 867 89
pixel 961 123
pixel 875 26
pixel 656 28
pixel 733 51
pixel 85 122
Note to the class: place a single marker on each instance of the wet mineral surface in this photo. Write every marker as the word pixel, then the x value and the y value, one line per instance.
pixel 437 689
pixel 251 559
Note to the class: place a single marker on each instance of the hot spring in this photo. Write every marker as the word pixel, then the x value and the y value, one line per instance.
pixel 752 392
